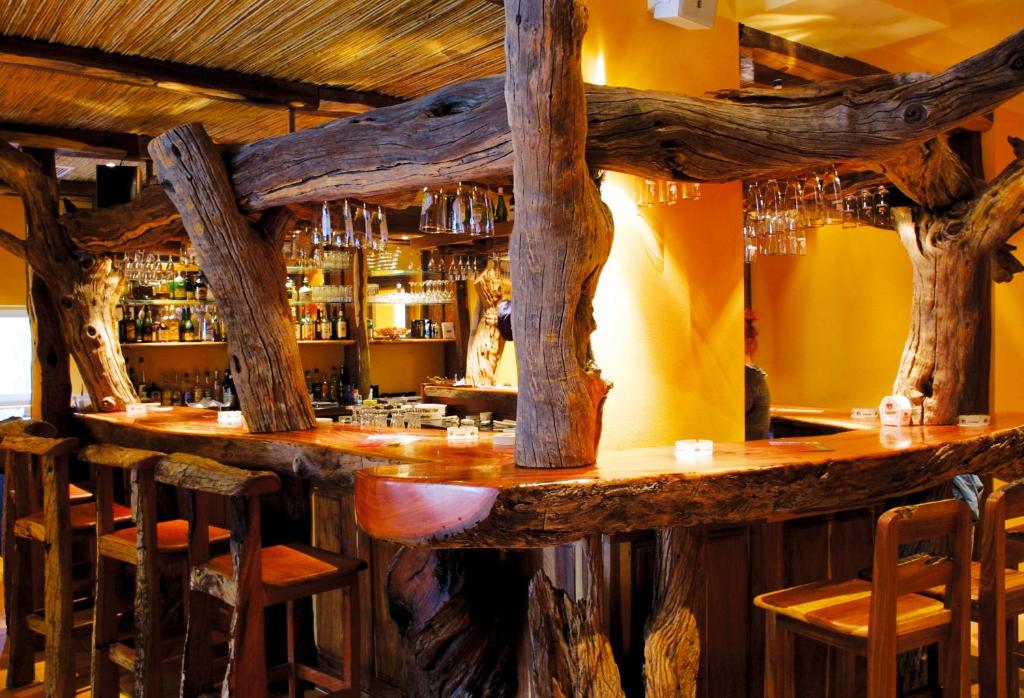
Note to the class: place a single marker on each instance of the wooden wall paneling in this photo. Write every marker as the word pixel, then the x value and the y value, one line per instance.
pixel 851 550
pixel 727 624
pixel 806 560
pixel 766 573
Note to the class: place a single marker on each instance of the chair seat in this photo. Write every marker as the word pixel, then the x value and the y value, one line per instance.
pixel 83 517
pixel 78 495
pixel 1014 588
pixel 844 608
pixel 171 539
pixel 289 571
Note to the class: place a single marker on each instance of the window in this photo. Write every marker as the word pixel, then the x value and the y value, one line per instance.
pixel 15 361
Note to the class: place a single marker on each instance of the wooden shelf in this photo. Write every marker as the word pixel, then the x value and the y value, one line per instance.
pixel 142 345
pixel 411 341
pixel 193 303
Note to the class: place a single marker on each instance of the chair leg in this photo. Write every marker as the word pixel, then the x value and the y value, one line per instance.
pixel 353 640
pixel 18 602
pixel 247 665
pixel 846 673
pixel 59 677
pixel 104 630
pixel 778 659
pixel 197 661
pixel 1012 679
pixel 293 661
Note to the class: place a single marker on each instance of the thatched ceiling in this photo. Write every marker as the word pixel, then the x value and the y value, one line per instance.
pixel 404 49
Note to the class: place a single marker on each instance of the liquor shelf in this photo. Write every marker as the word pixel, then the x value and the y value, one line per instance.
pixel 167 302
pixel 134 345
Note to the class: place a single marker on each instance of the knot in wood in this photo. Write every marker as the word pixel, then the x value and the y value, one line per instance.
pixel 66 302
pixel 915 113
pixel 91 331
pixel 108 404
pixel 1017 63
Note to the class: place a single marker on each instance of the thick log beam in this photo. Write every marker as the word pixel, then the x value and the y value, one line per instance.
pixel 149 220
pixel 461 132
pixel 459 614
pixel 486 344
pixel 247 272
pixel 561 239
pixel 84 289
pixel 673 643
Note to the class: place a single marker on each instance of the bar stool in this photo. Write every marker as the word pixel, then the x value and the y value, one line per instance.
pixel 250 578
pixel 53 521
pixel 997 593
pixel 151 547
pixel 887 616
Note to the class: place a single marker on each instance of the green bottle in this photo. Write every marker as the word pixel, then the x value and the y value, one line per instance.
pixel 500 210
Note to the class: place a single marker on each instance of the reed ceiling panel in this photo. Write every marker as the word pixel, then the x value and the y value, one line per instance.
pixel 405 48
pixel 55 99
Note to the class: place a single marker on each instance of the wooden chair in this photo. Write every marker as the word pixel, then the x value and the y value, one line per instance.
pixel 250 578
pixel 997 592
pixel 152 548
pixel 52 520
pixel 887 616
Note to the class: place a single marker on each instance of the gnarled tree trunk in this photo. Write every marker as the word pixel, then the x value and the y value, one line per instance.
pixel 247 272
pixel 561 239
pixel 84 288
pixel 486 344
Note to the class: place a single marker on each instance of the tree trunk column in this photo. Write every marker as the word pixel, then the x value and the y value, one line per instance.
pixel 561 239
pixel 247 273
pixel 947 312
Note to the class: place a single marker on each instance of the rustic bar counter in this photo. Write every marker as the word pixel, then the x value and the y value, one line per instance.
pixel 415 488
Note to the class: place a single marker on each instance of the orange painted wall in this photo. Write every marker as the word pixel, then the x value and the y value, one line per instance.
pixel 670 301
pixel 1007 299
pixel 12 269
pixel 832 325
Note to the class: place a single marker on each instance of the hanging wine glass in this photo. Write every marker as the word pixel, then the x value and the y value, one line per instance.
pixel 428 211
pixel 382 221
pixel 834 198
pixel 881 205
pixel 346 217
pixel 460 211
pixel 367 242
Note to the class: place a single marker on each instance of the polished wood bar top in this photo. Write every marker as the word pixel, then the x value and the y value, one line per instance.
pixel 415 487
pixel 821 417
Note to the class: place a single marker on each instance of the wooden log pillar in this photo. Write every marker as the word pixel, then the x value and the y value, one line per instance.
pixel 672 652
pixel 561 239
pixel 486 344
pixel 357 356
pixel 84 288
pixel 246 270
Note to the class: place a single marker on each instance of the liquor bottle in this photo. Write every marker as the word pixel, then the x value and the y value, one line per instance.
pixel 289 288
pixel 197 389
pixel 201 289
pixel 188 330
pixel 309 384
pixel 500 211
pixel 147 326
pixel 179 287
pixel 341 325
pixel 318 325
pixel 305 292
pixel 155 393
pixel 163 287
pixel 332 386
pixel 176 391
pixel 230 399
pixel 317 385
pixel 218 385
pixel 326 325
pixel 140 390
pixel 207 384
pixel 188 395
pixel 325 387
pixel 122 325
pixel 296 322
pixel 343 386
pixel 511 207
pixel 190 287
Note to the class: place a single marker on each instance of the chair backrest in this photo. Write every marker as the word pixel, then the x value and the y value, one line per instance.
pixel 27 427
pixel 1000 506
pixel 141 465
pixel 36 475
pixel 949 521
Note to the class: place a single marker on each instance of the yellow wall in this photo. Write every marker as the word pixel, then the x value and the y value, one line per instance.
pixel 832 324
pixel 669 303
pixel 1007 299
pixel 12 269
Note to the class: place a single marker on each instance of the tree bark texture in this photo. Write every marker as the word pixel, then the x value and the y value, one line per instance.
pixel 357 356
pixel 955 248
pixel 51 386
pixel 460 615
pixel 85 288
pixel 673 648
pixel 247 273
pixel 561 239
pixel 569 655
pixel 461 132
pixel 486 344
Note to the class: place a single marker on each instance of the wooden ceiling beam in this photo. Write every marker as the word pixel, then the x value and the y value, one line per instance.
pixel 77 141
pixel 214 83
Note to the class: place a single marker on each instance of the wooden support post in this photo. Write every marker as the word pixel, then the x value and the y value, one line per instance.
pixel 85 288
pixel 672 653
pixel 486 344
pixel 247 272
pixel 561 239
pixel 460 615
pixel 357 356
pixel 51 384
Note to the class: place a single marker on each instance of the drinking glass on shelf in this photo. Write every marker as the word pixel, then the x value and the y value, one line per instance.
pixel 670 193
pixel 881 205
pixel 481 214
pixel 834 198
pixel 647 191
pixel 866 206
pixel 689 191
pixel 850 211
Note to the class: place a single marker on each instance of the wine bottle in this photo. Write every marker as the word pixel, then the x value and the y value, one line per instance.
pixel 187 394
pixel 190 287
pixel 122 326
pixel 341 325
pixel 200 287
pixel 318 325
pixel 500 211
pixel 147 326
pixel 141 389
pixel 179 287
pixel 188 330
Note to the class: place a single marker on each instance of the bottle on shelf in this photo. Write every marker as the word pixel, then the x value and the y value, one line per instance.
pixel 341 324
pixel 201 288
pixel 178 290
pixel 188 330
pixel 187 393
pixel 332 386
pixel 326 324
pixel 218 386
pixel 289 288
pixel 511 207
pixel 229 398
pixel 176 391
pixel 500 210
pixel 318 325
pixel 140 390
pixel 147 325
pixel 325 387
pixel 190 287
pixel 163 286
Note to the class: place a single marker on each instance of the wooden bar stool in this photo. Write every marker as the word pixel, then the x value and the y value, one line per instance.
pixel 251 578
pixel 887 616
pixel 53 521
pixel 997 592
pixel 151 547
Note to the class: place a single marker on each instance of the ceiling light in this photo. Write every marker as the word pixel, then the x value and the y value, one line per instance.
pixel 111 164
